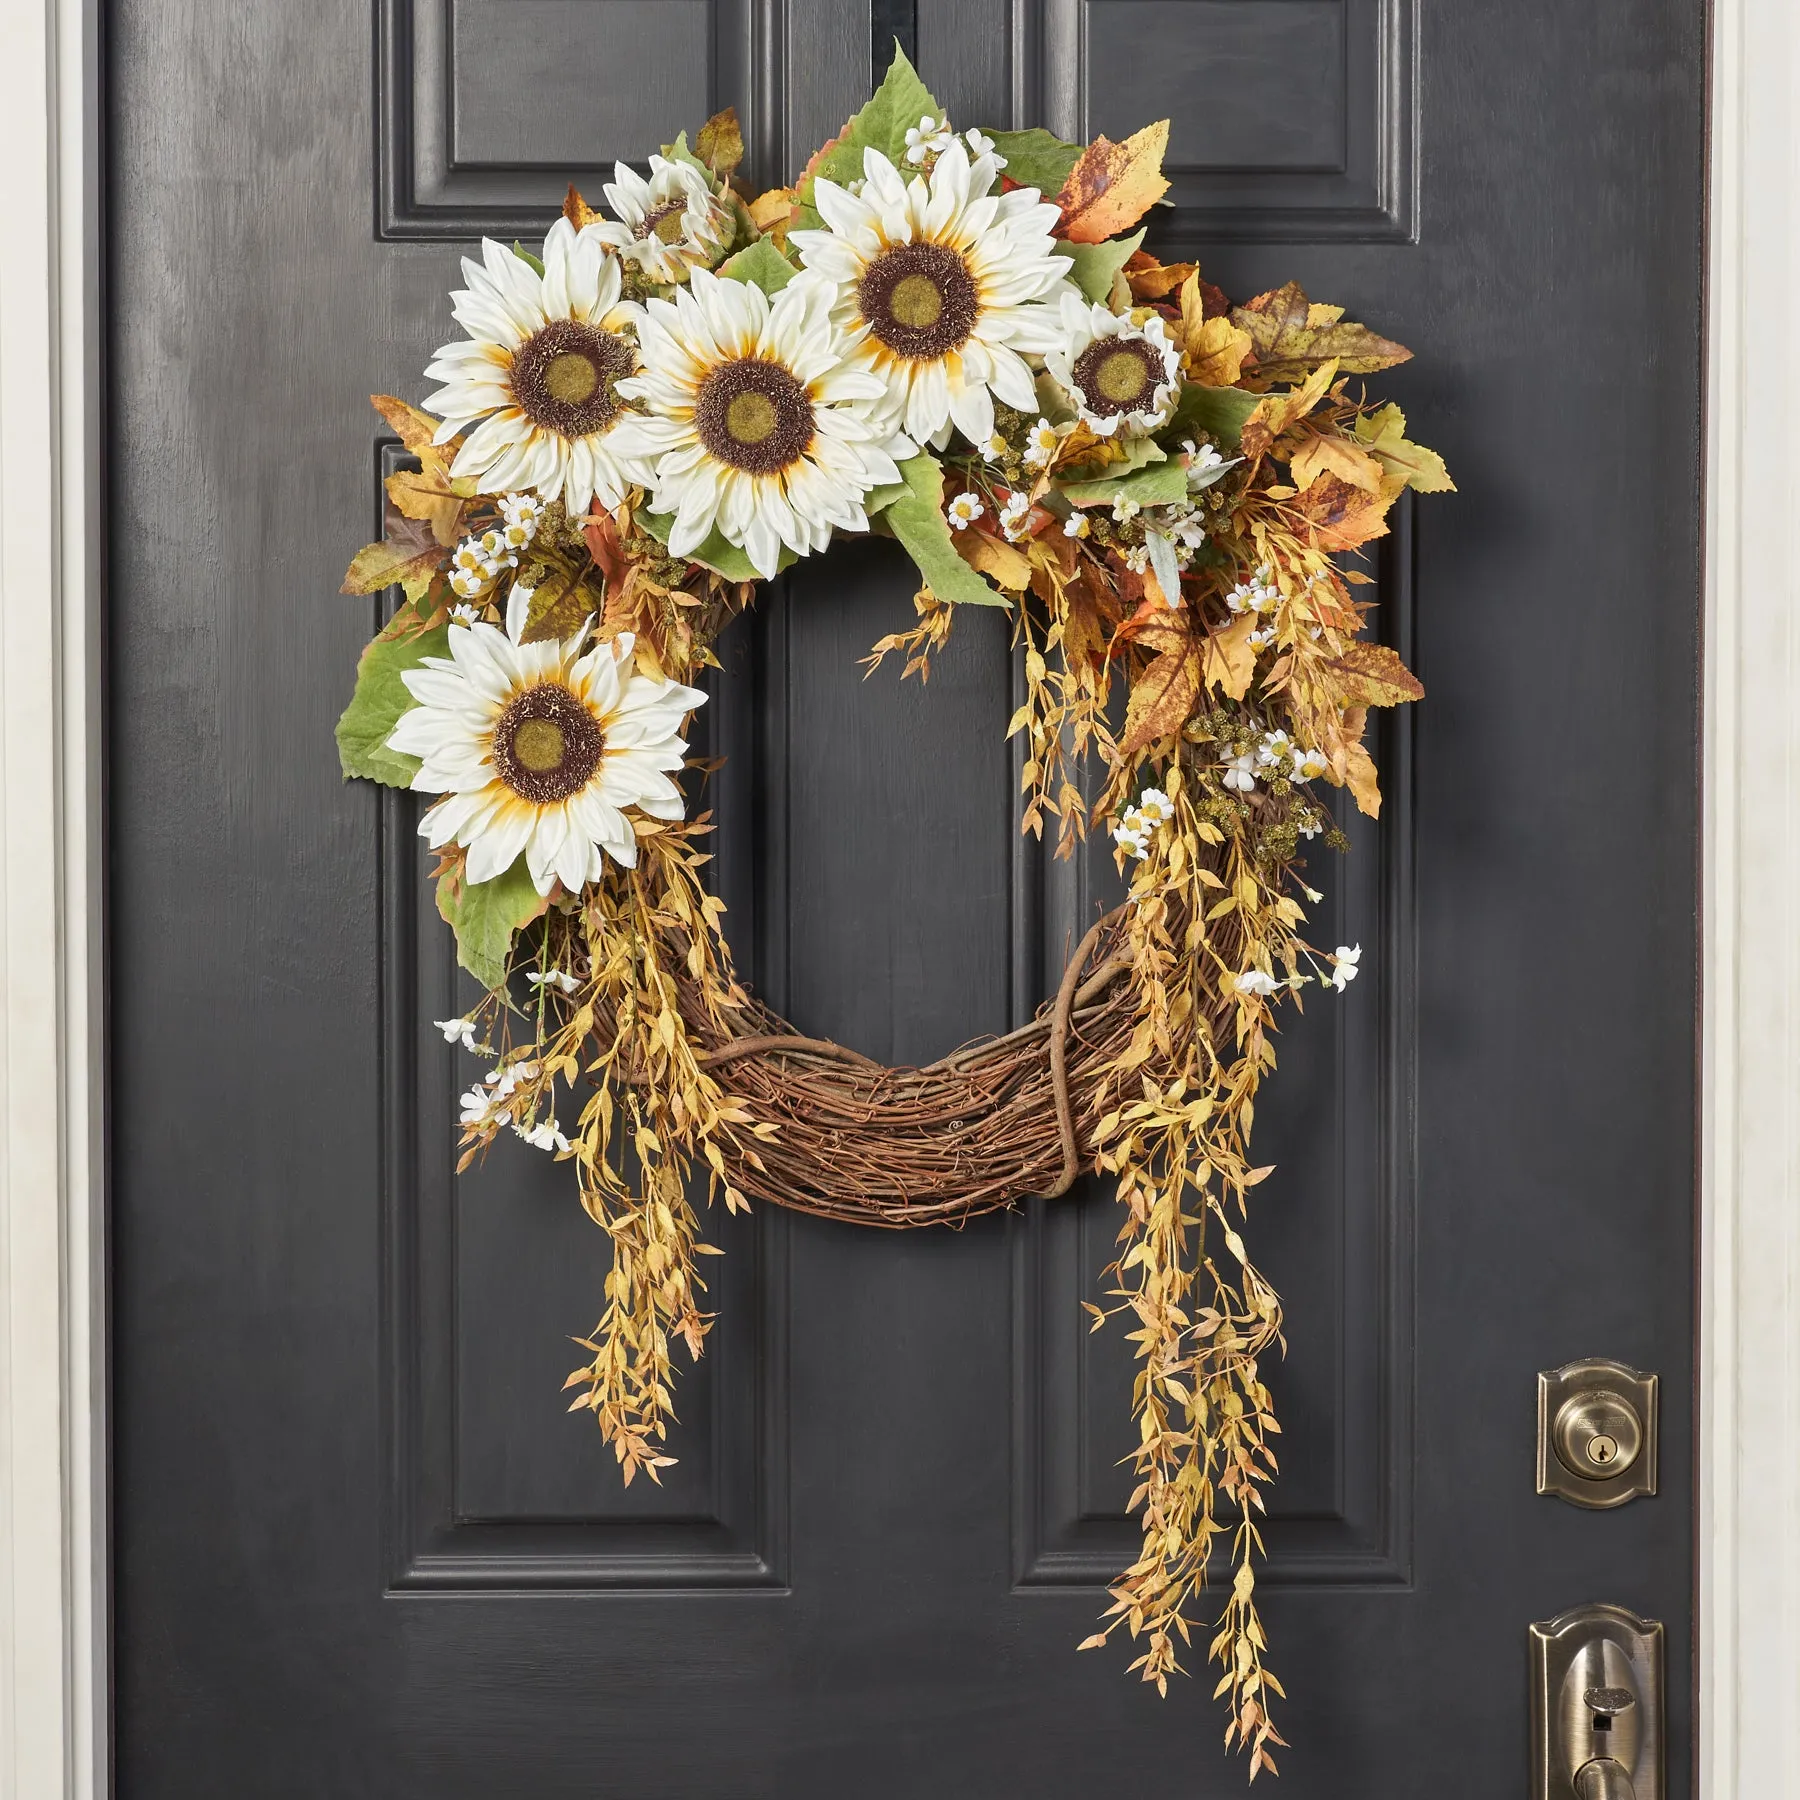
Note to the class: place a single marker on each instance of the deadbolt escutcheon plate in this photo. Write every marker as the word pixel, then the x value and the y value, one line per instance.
pixel 1596 1436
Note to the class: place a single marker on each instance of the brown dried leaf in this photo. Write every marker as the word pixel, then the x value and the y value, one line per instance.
pixel 1289 343
pixel 559 605
pixel 1113 185
pixel 408 551
pixel 720 144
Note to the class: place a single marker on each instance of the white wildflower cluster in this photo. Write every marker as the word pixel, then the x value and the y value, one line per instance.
pixel 486 1104
pixel 559 979
pixel 1135 827
pixel 1274 757
pixel 1340 975
pixel 1258 595
pixel 931 137
pixel 478 562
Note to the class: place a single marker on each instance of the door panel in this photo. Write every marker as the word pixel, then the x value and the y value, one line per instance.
pixel 360 1548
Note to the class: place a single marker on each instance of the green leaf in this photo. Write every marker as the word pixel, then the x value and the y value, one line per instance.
pixel 894 109
pixel 1161 484
pixel 762 265
pixel 485 915
pixel 1139 454
pixel 679 152
pixel 716 553
pixel 1097 264
pixel 1037 158
pixel 381 698
pixel 1219 412
pixel 534 263
pixel 917 520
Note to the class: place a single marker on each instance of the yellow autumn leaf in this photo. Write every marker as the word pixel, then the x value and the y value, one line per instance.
pixel 1231 659
pixel 1216 350
pixel 1328 455
pixel 1003 563
pixel 576 210
pixel 773 212
pixel 1383 433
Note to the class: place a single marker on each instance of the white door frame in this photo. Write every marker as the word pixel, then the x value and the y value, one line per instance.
pixel 54 1683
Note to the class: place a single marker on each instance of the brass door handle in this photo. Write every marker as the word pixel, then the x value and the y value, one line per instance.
pixel 1604 1779
pixel 1597 1706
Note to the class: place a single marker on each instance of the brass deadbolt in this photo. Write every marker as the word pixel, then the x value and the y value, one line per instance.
pixel 1596 1433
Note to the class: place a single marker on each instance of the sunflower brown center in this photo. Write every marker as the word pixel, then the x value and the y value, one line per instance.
pixel 547 744
pixel 664 223
pixel 920 300
pixel 563 377
pixel 1117 375
pixel 754 415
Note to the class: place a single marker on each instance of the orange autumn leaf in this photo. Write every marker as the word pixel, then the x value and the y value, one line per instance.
pixel 1337 516
pixel 1151 280
pixel 576 210
pixel 1161 698
pixel 1113 185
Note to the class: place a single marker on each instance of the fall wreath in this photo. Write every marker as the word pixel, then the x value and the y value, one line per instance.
pixel 680 396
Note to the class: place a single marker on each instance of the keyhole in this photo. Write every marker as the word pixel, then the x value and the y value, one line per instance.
pixel 1602 1449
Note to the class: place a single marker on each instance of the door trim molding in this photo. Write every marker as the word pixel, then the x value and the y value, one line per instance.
pixel 53 1519
pixel 53 1527
pixel 1748 1617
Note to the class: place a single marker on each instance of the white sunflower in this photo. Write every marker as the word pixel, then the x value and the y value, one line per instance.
pixel 667 225
pixel 540 371
pixel 540 748
pixel 757 421
pixel 1123 378
pixel 943 285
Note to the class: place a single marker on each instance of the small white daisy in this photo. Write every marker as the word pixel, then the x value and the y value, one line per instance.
pixel 1309 763
pixel 1155 805
pixel 964 510
pixel 1041 443
pixel 1076 525
pixel 1240 771
pixel 1013 515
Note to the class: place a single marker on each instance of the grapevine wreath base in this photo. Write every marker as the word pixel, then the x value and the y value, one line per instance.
pixel 958 341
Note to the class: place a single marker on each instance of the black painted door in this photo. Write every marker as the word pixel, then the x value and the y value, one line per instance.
pixel 360 1550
